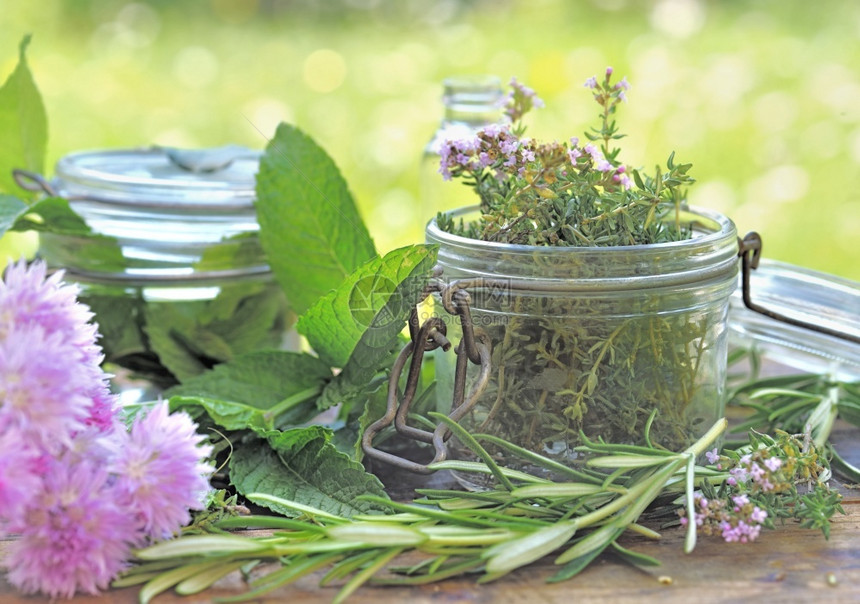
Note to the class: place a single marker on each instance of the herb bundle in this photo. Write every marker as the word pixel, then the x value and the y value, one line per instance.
pixel 493 533
pixel 600 356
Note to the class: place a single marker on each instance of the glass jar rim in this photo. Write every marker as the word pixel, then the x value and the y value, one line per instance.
pixel 725 224
pixel 709 257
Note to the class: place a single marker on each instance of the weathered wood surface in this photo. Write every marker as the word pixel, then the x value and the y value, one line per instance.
pixel 787 565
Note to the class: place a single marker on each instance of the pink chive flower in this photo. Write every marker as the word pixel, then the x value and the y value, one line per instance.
pixel 161 471
pixel 28 297
pixel 75 485
pixel 75 538
pixel 43 388
pixel 41 320
pixel 20 475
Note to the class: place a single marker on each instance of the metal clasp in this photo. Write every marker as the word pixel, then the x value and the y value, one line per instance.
pixel 474 347
pixel 33 181
pixel 750 253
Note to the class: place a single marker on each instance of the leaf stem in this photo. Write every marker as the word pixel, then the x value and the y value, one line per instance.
pixel 292 401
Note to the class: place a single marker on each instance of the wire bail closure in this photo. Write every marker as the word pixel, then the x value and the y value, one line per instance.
pixel 750 253
pixel 474 347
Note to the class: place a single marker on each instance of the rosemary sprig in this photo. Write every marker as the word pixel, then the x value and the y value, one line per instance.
pixel 492 532
pixel 522 519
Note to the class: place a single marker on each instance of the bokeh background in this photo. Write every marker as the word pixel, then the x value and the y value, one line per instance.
pixel 762 96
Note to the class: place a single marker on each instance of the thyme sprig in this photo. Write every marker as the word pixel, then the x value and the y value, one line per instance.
pixel 564 194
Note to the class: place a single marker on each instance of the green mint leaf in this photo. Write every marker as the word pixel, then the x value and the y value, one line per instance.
pixel 262 389
pixel 301 465
pixel 310 227
pixel 356 325
pixel 375 406
pixel 119 320
pixel 54 215
pixel 169 327
pixel 23 122
pixel 189 337
pixel 50 214
pixel 11 210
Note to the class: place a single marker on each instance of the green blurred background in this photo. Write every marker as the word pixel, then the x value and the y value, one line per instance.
pixel 763 97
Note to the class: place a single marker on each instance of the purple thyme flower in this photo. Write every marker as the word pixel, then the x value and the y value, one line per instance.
pixel 758 515
pixel 509 146
pixel 773 463
pixel 75 537
pixel 161 471
pixel 740 501
pixel 623 84
pixel 520 100
pixel 591 83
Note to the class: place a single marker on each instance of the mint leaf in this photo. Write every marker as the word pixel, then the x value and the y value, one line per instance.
pixel 310 227
pixel 369 308
pixel 49 214
pixel 262 389
pixel 191 336
pixel 23 123
pixel 356 326
pixel 119 320
pixel 11 209
pixel 54 216
pixel 169 327
pixel 301 465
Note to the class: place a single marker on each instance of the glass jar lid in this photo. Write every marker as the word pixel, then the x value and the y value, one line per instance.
pixel 220 179
pixel 159 214
pixel 808 296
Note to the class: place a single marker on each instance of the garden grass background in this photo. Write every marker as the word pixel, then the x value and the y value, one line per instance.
pixel 762 96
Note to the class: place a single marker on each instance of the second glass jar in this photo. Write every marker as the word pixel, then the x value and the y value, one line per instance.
pixel 173 268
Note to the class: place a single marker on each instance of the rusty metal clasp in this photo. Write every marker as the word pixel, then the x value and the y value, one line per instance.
pixel 750 253
pixel 474 347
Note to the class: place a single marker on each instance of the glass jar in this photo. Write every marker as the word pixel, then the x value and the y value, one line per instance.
pixel 470 103
pixel 804 295
pixel 173 268
pixel 596 340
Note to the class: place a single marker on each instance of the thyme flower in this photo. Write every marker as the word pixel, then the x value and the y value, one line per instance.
pixel 760 485
pixel 553 193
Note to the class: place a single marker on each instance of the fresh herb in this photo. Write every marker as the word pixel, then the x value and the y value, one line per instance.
pixel 795 403
pixel 488 533
pixel 261 409
pixel 597 362
pixel 23 123
pixel 772 478
pixel 166 341
pixel 564 194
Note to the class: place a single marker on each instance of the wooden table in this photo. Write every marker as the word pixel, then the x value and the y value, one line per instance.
pixel 787 565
